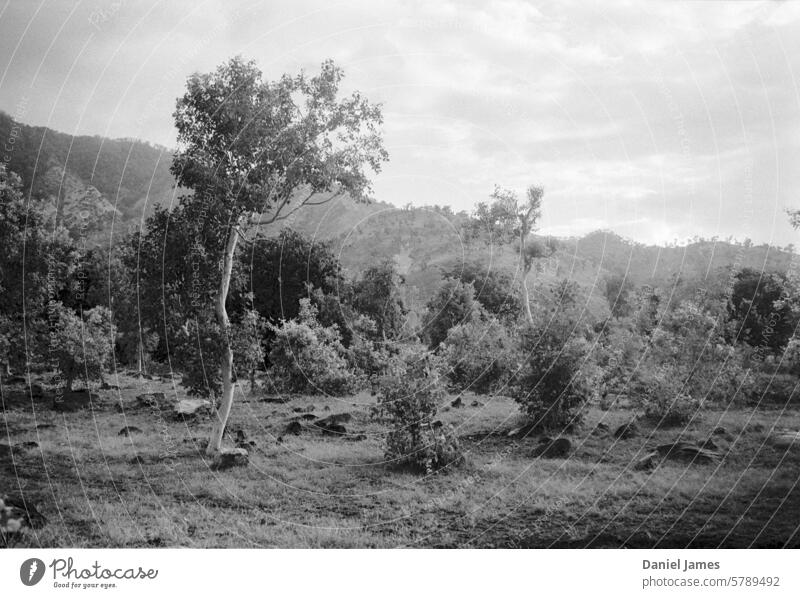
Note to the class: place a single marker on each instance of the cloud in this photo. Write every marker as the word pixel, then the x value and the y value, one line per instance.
pixel 659 119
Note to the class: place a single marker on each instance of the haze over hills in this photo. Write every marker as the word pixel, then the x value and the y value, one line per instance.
pixel 123 179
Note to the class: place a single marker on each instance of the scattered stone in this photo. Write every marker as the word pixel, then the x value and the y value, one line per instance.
pixel 336 418
pixel 308 417
pixel 151 400
pixel 708 444
pixel 228 458
pixel 648 462
pixel 128 430
pixel 601 429
pixel 786 440
pixel 106 386
pixel 627 431
pixel 476 404
pixel 326 408
pixel 28 444
pixel 356 437
pixel 457 403
pixel 294 427
pixel 687 453
pixel 553 449
pixel 75 400
pixel 137 460
pixel 310 408
pixel 44 426
pixel 25 510
pixel 191 408
pixel 719 431
pixel 334 429
pixel 298 409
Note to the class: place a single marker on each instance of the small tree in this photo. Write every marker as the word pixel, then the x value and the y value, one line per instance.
pixel 480 355
pixel 83 345
pixel 508 218
pixel 377 295
pixel 409 396
pixel 453 304
pixel 255 151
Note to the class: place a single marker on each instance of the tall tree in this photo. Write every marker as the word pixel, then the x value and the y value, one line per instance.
pixel 255 151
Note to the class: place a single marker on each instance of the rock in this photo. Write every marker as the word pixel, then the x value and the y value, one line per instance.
pixel 337 418
pixel 191 408
pixel 137 460
pixel 707 444
pixel 648 462
pixel 476 404
pixel 553 449
pixel 75 400
pixel 309 409
pixel 719 431
pixel 687 453
pixel 627 431
pixel 600 429
pixel 227 458
pixel 151 400
pixel 28 444
pixel 309 417
pixel 298 409
pixel 356 437
pixel 15 380
pixel 457 403
pixel 326 408
pixel 294 427
pixel 24 510
pixel 6 450
pixel 786 440
pixel 128 430
pixel 44 426
pixel 334 429
pixel 106 386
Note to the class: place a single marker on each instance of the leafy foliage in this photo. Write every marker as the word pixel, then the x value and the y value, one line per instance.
pixel 480 356
pixel 307 357
pixel 83 345
pixel 409 396
pixel 377 295
pixel 453 304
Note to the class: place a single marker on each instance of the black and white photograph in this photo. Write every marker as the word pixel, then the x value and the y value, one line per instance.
pixel 399 275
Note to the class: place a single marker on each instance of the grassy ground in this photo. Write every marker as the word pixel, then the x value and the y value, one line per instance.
pixel 324 491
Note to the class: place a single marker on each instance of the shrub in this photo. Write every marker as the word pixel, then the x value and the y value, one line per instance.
pixel 554 380
pixel 83 346
pixel 662 397
pixel 307 357
pixel 479 356
pixel 453 304
pixel 409 395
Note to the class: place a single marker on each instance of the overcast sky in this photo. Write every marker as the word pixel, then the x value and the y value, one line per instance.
pixel 659 120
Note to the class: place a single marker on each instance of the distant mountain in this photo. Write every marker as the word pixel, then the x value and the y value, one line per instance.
pixel 121 179
pixel 130 175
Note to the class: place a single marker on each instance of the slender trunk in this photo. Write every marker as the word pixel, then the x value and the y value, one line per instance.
pixel 526 299
pixel 226 361
pixel 139 350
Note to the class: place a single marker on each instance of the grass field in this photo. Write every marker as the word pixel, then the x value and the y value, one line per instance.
pixel 155 488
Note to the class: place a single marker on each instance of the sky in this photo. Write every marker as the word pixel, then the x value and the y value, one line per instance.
pixel 661 121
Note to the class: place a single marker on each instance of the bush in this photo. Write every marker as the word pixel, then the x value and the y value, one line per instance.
pixel 453 304
pixel 661 396
pixel 409 396
pixel 83 346
pixel 307 357
pixel 554 381
pixel 479 356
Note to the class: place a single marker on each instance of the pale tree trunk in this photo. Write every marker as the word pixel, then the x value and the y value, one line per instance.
pixel 526 299
pixel 226 362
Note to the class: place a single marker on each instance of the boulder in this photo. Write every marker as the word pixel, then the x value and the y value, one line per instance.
pixel 191 408
pixel 648 462
pixel 627 431
pixel 75 400
pixel 151 400
pixel 457 403
pixel 336 418
pixel 228 458
pixel 28 444
pixel 719 431
pixel 334 429
pixel 476 404
pixel 294 427
pixel 600 429
pixel 553 449
pixel 128 430
pixel 686 452
pixel 24 510
pixel 309 417
pixel 786 440
pixel 310 409
pixel 708 443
